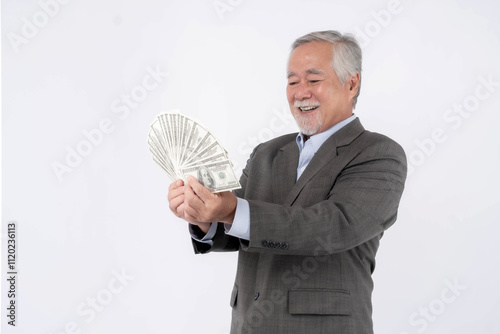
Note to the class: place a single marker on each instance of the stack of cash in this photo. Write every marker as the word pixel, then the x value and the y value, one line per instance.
pixel 183 147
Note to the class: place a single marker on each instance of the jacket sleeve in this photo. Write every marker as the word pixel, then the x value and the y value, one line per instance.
pixel 221 242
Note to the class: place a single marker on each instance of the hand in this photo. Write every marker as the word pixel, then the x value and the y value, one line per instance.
pixel 176 199
pixel 202 206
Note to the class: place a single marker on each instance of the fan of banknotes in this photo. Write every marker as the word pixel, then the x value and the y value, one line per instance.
pixel 183 147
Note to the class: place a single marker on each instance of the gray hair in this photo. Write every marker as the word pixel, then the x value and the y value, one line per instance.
pixel 347 55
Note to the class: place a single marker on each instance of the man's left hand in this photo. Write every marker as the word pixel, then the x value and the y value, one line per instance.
pixel 201 205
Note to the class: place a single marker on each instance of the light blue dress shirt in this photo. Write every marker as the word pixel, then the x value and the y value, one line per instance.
pixel 307 149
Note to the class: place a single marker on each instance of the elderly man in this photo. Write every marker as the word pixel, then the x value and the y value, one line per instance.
pixel 312 208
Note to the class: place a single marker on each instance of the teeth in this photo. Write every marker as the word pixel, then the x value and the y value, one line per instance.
pixel 308 108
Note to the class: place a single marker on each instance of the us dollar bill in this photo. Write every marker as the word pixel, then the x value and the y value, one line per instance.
pixel 181 147
pixel 216 176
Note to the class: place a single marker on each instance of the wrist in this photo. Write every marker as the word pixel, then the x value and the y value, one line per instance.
pixel 203 227
pixel 231 211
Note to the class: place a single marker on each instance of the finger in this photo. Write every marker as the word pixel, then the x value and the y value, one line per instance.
pixel 175 193
pixel 203 193
pixel 175 189
pixel 176 184
pixel 192 200
pixel 180 210
pixel 175 205
pixel 194 215
pixel 190 214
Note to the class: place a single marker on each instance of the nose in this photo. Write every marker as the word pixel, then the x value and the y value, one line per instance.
pixel 302 92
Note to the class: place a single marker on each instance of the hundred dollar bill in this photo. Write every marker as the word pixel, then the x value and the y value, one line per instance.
pixel 197 135
pixel 157 147
pixel 158 139
pixel 216 176
pixel 164 163
pixel 211 148
pixel 181 146
pixel 166 133
pixel 210 159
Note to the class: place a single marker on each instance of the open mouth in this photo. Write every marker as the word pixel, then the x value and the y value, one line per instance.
pixel 308 108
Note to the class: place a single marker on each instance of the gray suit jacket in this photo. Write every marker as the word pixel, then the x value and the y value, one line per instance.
pixel 307 267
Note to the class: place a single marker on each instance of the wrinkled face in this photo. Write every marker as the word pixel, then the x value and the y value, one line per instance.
pixel 316 98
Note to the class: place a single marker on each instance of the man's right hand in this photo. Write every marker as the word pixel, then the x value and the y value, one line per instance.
pixel 176 199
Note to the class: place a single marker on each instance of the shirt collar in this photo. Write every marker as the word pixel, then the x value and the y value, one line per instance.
pixel 318 139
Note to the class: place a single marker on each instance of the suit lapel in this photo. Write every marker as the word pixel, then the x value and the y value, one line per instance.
pixel 325 154
pixel 285 171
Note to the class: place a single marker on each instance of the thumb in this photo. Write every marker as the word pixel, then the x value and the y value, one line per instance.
pixel 199 189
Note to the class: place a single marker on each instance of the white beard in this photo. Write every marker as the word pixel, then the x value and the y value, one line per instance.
pixel 309 124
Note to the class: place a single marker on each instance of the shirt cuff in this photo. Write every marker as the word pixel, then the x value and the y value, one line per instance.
pixel 197 234
pixel 241 221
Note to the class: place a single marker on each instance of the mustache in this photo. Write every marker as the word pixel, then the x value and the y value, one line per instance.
pixel 302 104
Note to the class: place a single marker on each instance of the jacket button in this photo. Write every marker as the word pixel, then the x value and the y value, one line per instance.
pixel 256 296
pixel 265 243
pixel 284 246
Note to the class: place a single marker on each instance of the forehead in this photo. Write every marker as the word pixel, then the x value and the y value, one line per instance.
pixel 311 57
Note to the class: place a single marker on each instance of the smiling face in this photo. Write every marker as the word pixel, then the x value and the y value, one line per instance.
pixel 315 95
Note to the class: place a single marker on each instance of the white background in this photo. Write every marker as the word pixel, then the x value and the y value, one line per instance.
pixel 226 61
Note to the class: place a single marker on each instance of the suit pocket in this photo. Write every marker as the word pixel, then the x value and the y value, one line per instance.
pixel 319 301
pixel 234 296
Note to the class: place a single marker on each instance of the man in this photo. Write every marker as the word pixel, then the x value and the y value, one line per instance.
pixel 312 208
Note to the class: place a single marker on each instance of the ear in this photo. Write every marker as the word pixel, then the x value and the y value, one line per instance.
pixel 354 84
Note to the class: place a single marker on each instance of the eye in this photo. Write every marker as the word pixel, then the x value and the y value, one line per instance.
pixel 313 81
pixel 292 83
